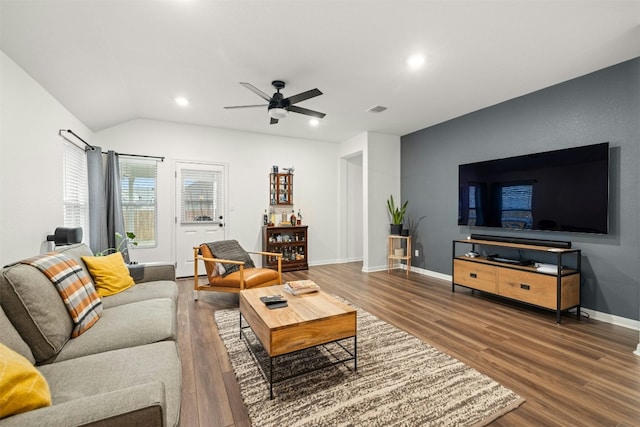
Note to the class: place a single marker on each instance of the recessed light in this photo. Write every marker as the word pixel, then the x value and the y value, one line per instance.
pixel 181 101
pixel 415 61
pixel 314 122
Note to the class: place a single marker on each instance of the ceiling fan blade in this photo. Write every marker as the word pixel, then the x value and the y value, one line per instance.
pixel 246 106
pixel 306 111
pixel 303 96
pixel 273 121
pixel 257 91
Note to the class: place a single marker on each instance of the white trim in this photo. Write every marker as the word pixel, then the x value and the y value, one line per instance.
pixel 433 274
pixel 637 352
pixel 596 315
pixel 613 319
pixel 373 269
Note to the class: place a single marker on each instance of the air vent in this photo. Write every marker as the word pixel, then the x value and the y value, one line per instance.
pixel 376 109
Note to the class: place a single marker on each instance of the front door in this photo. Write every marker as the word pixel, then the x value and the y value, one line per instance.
pixel 200 209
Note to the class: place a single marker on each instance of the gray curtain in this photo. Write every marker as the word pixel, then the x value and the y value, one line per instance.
pixel 115 218
pixel 97 207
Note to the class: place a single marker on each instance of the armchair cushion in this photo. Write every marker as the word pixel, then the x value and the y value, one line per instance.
pixel 252 277
pixel 231 250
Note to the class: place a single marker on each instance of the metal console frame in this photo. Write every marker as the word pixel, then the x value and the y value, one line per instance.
pixel 269 378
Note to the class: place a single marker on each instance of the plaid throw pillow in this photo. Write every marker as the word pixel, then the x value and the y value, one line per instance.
pixel 74 286
pixel 230 249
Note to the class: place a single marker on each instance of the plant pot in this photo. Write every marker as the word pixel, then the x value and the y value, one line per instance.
pixel 396 229
pixel 398 251
pixel 405 232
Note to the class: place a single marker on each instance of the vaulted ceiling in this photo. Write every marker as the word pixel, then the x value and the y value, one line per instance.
pixel 110 61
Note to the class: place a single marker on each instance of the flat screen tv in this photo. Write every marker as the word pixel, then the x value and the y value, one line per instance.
pixel 563 190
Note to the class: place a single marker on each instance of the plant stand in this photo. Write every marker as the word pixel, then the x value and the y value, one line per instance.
pixel 396 242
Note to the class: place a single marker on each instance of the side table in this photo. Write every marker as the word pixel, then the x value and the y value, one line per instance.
pixel 395 242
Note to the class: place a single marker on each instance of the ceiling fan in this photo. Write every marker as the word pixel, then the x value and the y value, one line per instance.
pixel 279 106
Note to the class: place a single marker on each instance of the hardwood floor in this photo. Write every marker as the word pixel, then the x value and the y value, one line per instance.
pixel 579 373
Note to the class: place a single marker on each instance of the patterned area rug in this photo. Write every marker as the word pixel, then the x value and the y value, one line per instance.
pixel 401 381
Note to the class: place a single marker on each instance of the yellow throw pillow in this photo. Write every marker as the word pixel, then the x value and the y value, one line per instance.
pixel 22 386
pixel 110 273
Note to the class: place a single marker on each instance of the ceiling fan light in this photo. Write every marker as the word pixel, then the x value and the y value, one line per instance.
pixel 278 113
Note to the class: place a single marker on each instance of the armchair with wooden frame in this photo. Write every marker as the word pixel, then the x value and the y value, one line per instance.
pixel 243 278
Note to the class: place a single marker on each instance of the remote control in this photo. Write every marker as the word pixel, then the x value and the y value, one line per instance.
pixel 272 299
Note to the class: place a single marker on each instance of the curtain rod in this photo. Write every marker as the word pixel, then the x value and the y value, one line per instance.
pixel 93 148
pixel 74 134
pixel 160 158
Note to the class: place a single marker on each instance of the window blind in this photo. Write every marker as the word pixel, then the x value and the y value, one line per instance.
pixel 138 185
pixel 202 195
pixel 75 188
pixel 516 206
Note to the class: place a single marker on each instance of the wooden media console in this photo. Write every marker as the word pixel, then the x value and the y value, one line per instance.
pixel 554 290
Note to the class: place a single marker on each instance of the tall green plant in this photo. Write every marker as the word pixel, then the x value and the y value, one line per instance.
pixel 396 213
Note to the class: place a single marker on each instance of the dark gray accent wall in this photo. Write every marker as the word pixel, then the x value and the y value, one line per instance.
pixel 599 107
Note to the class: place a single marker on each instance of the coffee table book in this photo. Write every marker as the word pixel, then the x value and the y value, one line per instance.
pixel 299 287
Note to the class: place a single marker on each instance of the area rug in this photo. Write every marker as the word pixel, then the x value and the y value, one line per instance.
pixel 400 381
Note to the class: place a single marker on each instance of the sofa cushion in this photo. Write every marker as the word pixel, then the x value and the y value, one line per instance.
pixel 74 286
pixel 12 339
pixel 152 271
pixel 22 387
pixel 35 309
pixel 76 252
pixel 127 325
pixel 143 292
pixel 118 370
pixel 110 274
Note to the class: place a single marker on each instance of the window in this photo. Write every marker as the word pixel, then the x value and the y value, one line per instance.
pixel 75 188
pixel 138 179
pixel 472 205
pixel 202 195
pixel 516 206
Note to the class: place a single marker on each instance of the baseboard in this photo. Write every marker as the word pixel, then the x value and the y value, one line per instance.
pixel 374 269
pixel 637 352
pixel 593 314
pixel 433 274
pixel 327 262
pixel 611 318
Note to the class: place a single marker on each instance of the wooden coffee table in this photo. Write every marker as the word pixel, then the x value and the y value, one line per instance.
pixel 308 321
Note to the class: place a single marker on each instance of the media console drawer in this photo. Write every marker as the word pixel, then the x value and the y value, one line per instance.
pixel 482 277
pixel 533 288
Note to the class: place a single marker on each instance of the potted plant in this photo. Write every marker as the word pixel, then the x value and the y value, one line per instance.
pixel 122 244
pixel 396 213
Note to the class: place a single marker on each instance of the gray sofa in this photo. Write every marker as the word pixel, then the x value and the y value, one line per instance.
pixel 123 371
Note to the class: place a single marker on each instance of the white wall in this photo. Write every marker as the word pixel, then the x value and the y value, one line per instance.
pixel 31 177
pixel 355 226
pixel 382 179
pixel 249 157
pixel 355 147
